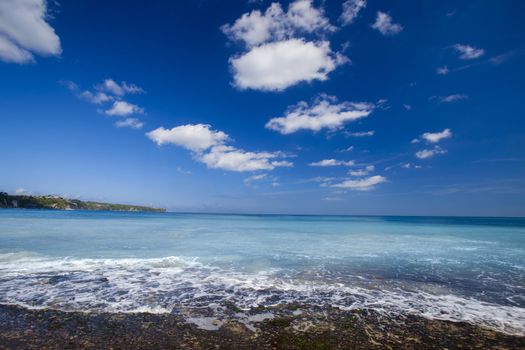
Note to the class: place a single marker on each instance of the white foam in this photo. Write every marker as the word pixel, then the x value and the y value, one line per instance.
pixel 160 285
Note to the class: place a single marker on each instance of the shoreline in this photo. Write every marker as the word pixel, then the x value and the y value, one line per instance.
pixel 286 327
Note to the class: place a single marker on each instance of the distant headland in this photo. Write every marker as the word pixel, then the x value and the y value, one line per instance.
pixel 60 203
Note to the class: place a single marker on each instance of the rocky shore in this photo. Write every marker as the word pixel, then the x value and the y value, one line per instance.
pixel 290 327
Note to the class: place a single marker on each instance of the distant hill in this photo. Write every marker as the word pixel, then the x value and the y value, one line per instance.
pixel 59 203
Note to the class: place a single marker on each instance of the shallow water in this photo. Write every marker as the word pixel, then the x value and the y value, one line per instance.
pixel 470 269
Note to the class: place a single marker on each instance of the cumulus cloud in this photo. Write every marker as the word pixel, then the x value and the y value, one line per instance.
pixel 434 137
pixel 362 172
pixel 208 147
pixel 111 86
pixel 279 65
pixel 133 123
pixel 195 137
pixel 123 108
pixel 429 153
pixel 364 184
pixel 351 9
pixel 282 48
pixel 384 24
pixel 332 162
pixel 467 52
pixel 274 24
pixel 324 113
pixel 233 159
pixel 25 31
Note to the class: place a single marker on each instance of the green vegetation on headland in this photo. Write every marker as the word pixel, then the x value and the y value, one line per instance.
pixel 59 203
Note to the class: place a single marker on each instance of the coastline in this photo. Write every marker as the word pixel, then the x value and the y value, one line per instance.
pixel 286 327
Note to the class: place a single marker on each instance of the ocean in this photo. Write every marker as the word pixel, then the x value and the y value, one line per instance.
pixel 448 268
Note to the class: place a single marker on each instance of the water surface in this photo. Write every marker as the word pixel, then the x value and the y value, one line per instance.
pixel 468 269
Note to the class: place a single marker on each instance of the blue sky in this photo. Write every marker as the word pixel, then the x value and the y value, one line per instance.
pixel 334 107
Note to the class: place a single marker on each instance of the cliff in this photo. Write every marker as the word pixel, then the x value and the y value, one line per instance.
pixel 59 203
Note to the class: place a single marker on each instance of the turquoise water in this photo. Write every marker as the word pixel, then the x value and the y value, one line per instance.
pixel 468 269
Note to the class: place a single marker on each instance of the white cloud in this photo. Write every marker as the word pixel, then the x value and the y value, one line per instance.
pixel 351 9
pixel 429 153
pixel 279 65
pixel 97 97
pixel 324 113
pixel 22 191
pixel 467 52
pixel 332 162
pixel 451 98
pixel 10 52
pixel 410 165
pixel 255 178
pixel 274 24
pixel 24 31
pixel 407 107
pixel 133 123
pixel 208 147
pixel 233 159
pixel 111 86
pixel 360 133
pixel 442 70
pixel 123 108
pixel 361 184
pixel 384 24
pixel 195 137
pixel 434 137
pixel 331 199
pixel 362 172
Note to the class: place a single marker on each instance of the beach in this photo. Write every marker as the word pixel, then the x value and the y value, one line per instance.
pixel 288 328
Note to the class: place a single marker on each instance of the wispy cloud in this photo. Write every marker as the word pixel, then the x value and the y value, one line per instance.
pixel 111 86
pixel 385 25
pixel 133 123
pixel 109 91
pixel 351 9
pixel 449 98
pixel 432 138
pixel 467 52
pixel 442 70
pixel 364 184
pixel 429 153
pixel 362 172
pixel 359 133
pixel 332 162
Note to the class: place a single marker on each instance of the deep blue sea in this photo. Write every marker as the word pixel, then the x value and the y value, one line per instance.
pixel 461 269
